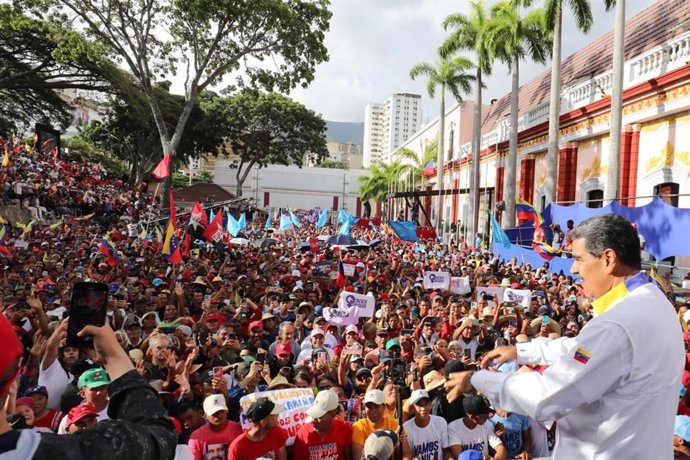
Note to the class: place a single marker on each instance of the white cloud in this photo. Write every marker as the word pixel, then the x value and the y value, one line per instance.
pixel 374 43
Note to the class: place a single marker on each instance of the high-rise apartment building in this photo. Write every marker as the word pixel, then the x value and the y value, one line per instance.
pixel 387 126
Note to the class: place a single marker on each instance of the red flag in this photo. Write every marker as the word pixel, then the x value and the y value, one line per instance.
pixel 214 231
pixel 340 279
pixel 198 221
pixel 186 245
pixel 163 169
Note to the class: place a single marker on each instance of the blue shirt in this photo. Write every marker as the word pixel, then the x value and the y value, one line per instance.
pixel 514 425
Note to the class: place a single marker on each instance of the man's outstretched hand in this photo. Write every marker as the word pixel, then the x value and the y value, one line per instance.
pixel 499 356
pixel 457 384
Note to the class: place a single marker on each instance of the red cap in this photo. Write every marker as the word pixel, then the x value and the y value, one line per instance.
pixel 255 324
pixel 11 352
pixel 215 317
pixel 433 295
pixel 685 379
pixel 79 412
pixel 178 426
pixel 283 348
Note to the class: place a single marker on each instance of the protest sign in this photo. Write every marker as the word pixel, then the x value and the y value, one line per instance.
pixel 436 280
pixel 294 401
pixel 521 296
pixel 21 244
pixel 488 292
pixel 349 269
pixel 351 306
pixel 460 285
pixel 323 268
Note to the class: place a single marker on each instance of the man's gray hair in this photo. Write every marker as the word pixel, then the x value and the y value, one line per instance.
pixel 610 231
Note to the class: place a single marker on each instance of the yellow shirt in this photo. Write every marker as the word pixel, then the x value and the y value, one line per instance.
pixel 361 429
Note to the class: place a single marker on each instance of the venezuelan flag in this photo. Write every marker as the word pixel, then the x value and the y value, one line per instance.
pixel 109 252
pixel 545 251
pixel 171 244
pixel 525 211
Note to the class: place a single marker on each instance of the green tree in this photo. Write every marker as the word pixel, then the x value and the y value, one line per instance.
pixel 582 11
pixel 203 177
pixel 449 74
pixel 267 128
pixel 332 164
pixel 81 149
pixel 413 165
pixel 516 38
pixel 268 43
pixel 469 33
pixel 382 179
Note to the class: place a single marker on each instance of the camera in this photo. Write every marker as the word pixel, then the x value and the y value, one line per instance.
pixel 397 372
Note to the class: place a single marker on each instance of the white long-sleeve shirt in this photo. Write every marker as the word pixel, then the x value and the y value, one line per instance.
pixel 613 388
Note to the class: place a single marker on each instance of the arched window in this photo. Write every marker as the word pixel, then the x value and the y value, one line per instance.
pixel 595 198
pixel 668 192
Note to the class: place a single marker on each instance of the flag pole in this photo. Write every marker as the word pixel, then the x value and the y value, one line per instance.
pixel 153 200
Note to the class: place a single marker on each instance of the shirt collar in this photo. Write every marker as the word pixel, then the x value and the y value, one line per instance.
pixel 603 303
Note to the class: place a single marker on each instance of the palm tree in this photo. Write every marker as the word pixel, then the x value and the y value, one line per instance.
pixel 412 165
pixel 469 33
pixel 515 38
pixel 582 11
pixel 612 179
pixel 450 74
pixel 381 180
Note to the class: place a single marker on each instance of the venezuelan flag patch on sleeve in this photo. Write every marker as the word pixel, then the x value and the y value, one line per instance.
pixel 582 355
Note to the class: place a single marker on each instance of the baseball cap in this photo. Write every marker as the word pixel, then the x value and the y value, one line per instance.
pixel 392 343
pixel 216 317
pixel 380 445
pixel 354 358
pixel 316 331
pixel 79 412
pixel 256 324
pixel 362 371
pixel 351 328
pixel 324 402
pixel 40 389
pixel 25 401
pixel 283 348
pixel 214 403
pixel 418 395
pixel 262 408
pixel 374 396
pixel 471 454
pixel 475 405
pixel 682 427
pixel 12 352
pixel 94 378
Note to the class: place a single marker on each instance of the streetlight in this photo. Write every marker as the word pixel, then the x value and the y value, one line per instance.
pixel 345 182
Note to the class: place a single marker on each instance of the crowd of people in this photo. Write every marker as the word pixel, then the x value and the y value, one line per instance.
pixel 229 341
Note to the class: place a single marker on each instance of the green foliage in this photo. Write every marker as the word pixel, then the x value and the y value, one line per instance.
pixel 180 180
pixel 80 149
pixel 412 166
pixel 514 36
pixel 333 164
pixel 382 178
pixel 450 74
pixel 469 34
pixel 267 128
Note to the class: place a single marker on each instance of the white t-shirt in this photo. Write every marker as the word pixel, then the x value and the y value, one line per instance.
pixel 480 438
pixel 427 443
pixel 472 346
pixel 55 378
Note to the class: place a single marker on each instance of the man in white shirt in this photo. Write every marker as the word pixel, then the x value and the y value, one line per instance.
pixel 473 432
pixel 425 436
pixel 613 392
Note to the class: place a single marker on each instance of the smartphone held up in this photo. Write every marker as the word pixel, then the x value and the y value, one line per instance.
pixel 88 307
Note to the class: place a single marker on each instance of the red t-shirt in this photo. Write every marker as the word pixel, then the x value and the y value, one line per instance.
pixel 244 448
pixel 207 444
pixel 50 420
pixel 309 445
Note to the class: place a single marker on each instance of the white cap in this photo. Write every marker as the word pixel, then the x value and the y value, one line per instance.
pixel 351 328
pixel 317 331
pixel 380 445
pixel 374 396
pixel 296 273
pixel 324 402
pixel 214 403
pixel 418 395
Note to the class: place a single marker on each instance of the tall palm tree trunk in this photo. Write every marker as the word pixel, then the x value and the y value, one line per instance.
pixel 509 183
pixel 476 148
pixel 613 176
pixel 554 109
pixel 439 163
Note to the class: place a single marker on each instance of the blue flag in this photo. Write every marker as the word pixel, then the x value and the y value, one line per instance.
pixel 500 236
pixel 211 215
pixel 294 219
pixel 269 220
pixel 285 223
pixel 347 220
pixel 243 221
pixel 404 229
pixel 233 226
pixel 323 219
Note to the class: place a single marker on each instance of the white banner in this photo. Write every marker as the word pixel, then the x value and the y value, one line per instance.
pixel 460 285
pixel 351 306
pixel 489 292
pixel 294 400
pixel 436 280
pixel 349 269
pixel 21 244
pixel 521 296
